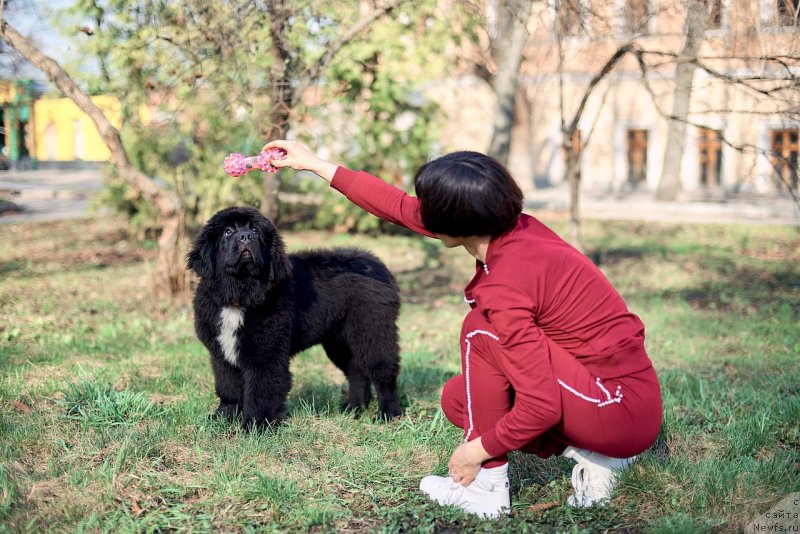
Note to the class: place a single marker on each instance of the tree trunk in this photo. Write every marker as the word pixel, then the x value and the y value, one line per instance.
pixel 508 48
pixel 573 173
pixel 281 100
pixel 696 19
pixel 171 271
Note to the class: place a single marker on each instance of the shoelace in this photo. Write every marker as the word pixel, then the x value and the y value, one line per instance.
pixel 580 480
pixel 456 491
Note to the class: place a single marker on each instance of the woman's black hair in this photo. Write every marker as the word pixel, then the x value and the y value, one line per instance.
pixel 467 193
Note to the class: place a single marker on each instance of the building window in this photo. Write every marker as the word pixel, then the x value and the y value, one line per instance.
pixel 709 144
pixel 569 17
pixel 715 15
pixel 784 146
pixel 787 11
pixel 637 157
pixel 635 15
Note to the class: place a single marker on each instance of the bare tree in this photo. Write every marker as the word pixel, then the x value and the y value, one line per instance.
pixel 571 146
pixel 695 27
pixel 508 35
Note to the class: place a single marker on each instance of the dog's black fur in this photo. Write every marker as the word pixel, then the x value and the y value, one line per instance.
pixel 345 299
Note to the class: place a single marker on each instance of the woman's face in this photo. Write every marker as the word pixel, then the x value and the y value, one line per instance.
pixel 450 241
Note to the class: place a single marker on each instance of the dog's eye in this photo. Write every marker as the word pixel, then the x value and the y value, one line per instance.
pixel 228 231
pixel 254 229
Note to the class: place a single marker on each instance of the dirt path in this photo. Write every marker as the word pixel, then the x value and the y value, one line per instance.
pixel 66 194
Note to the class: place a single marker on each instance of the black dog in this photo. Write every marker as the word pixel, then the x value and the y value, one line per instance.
pixel 256 306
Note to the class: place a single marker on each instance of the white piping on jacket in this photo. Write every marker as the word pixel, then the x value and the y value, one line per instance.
pixel 467 377
pixel 600 402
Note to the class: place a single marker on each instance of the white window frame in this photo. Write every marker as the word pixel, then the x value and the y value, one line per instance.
pixel 652 18
pixel 768 13
pixel 765 172
pixel 725 23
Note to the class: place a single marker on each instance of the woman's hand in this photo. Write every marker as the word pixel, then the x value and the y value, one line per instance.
pixel 300 157
pixel 465 463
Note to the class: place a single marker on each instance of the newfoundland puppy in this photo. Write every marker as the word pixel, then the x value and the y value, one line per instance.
pixel 256 307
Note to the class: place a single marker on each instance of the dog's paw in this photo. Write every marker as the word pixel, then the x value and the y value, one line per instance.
pixel 389 407
pixel 389 415
pixel 354 410
pixel 227 412
pixel 260 424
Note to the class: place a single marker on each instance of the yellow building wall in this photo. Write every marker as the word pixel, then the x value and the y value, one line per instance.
pixel 62 132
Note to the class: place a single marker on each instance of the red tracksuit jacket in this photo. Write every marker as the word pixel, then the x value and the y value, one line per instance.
pixel 534 287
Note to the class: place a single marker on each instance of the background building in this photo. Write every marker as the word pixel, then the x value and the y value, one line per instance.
pixel 45 131
pixel 738 139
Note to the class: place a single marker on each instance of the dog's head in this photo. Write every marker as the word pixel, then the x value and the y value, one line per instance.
pixel 240 244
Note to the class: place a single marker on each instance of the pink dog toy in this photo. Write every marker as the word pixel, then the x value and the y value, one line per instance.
pixel 237 165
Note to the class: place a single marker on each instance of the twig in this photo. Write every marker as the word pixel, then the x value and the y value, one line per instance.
pixel 313 72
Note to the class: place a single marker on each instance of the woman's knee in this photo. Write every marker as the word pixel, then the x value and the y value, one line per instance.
pixel 478 338
pixel 453 399
pixel 474 321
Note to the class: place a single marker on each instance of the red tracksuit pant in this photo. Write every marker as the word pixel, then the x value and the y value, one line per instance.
pixel 618 429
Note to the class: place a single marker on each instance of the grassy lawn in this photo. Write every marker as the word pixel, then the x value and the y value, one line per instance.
pixel 105 395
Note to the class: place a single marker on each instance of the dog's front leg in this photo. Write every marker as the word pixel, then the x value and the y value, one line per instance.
pixel 228 384
pixel 265 391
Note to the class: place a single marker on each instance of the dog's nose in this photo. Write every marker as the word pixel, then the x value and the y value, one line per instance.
pixel 245 236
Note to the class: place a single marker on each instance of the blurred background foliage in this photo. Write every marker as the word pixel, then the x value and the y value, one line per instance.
pixel 193 80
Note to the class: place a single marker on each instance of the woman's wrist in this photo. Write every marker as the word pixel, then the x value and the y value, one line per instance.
pixel 325 170
pixel 477 451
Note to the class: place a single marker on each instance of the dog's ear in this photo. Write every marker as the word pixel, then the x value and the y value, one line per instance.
pixel 279 265
pixel 201 258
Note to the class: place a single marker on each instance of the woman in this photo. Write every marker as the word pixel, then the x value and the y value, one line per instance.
pixel 553 362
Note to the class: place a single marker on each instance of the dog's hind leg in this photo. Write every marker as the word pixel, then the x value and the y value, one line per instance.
pixel 383 374
pixel 359 390
pixel 381 361
pixel 388 401
pixel 376 357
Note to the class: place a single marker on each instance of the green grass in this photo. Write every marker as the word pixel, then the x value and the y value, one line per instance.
pixel 105 395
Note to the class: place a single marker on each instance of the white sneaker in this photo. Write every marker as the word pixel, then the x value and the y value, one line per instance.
pixel 487 496
pixel 594 476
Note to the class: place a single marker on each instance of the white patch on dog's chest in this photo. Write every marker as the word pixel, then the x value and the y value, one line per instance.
pixel 231 319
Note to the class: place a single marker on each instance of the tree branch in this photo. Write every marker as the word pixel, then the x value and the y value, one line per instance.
pixel 609 65
pixel 771 156
pixel 746 81
pixel 312 74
